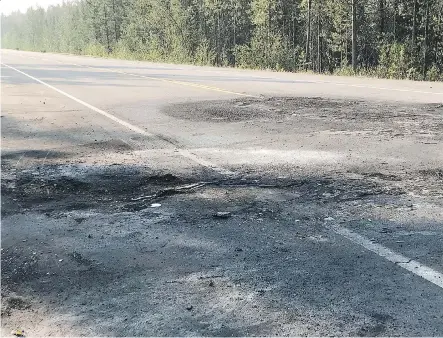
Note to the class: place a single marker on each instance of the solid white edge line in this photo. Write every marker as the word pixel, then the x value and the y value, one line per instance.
pixel 97 110
pixel 409 264
pixel 183 152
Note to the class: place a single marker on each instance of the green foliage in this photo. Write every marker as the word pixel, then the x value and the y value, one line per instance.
pixel 204 55
pixel 434 74
pixel 95 50
pixel 392 41
pixel 393 63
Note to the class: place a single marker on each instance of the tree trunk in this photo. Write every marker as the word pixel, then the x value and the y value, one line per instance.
pixel 116 29
pixel 108 46
pixel 235 27
pixel 439 33
pixel 235 31
pixel 293 39
pixel 381 11
pixel 319 63
pixel 414 25
pixel 268 35
pixel 202 19
pixel 308 34
pixel 293 30
pixel 395 19
pixel 218 38
pixel 425 42
pixel 354 35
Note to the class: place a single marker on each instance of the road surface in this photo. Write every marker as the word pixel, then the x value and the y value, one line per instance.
pixel 144 199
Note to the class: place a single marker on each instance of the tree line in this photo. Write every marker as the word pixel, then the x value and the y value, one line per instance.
pixel 385 38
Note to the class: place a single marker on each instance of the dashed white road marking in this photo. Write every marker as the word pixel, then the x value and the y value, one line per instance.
pixel 407 263
pixel 183 152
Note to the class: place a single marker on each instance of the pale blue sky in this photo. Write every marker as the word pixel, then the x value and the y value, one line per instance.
pixel 8 6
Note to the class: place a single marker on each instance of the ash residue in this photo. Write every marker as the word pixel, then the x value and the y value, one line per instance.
pixel 393 118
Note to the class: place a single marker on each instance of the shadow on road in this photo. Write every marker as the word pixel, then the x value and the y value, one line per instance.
pixel 127 250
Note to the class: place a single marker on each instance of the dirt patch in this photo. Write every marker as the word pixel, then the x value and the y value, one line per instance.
pixel 10 303
pixel 117 187
pixel 35 154
pixel 389 118
pixel 82 186
pixel 433 173
pixel 110 145
pixel 382 176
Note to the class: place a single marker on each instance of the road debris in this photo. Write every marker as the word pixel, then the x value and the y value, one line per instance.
pixel 18 333
pixel 386 231
pixel 170 191
pixel 222 214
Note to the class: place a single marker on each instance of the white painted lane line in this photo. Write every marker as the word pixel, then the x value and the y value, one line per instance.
pixel 20 158
pixel 407 263
pixel 183 152
pixel 97 110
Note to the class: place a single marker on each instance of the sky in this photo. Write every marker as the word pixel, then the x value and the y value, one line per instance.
pixel 8 6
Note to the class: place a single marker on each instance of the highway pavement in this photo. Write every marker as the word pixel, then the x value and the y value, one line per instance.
pixel 148 199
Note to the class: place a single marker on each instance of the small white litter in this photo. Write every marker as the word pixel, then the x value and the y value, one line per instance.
pixel 155 205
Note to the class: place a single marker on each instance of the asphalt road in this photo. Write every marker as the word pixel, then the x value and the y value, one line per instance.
pixel 112 172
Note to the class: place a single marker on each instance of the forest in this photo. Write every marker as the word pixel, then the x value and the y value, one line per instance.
pixel 399 39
